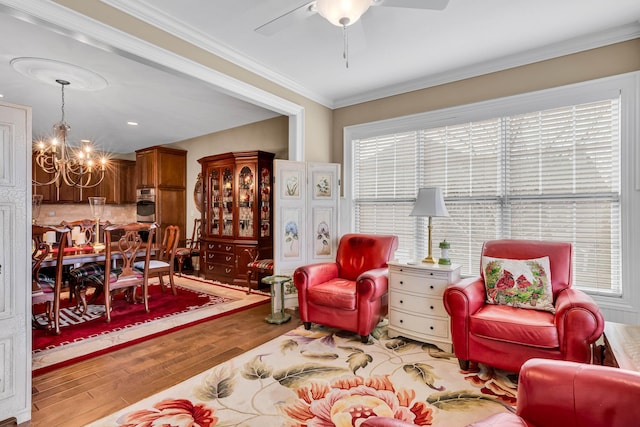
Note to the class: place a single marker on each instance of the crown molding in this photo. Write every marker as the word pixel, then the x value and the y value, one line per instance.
pixel 615 35
pixel 147 12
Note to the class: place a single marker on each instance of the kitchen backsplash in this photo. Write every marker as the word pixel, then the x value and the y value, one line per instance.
pixel 56 213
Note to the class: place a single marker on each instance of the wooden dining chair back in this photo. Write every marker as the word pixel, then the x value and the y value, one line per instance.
pixel 162 262
pixel 87 229
pixel 124 244
pixel 83 240
pixel 192 246
pixel 46 288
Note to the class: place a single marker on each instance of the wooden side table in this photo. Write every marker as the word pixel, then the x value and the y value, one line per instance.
pixel 621 346
pixel 281 316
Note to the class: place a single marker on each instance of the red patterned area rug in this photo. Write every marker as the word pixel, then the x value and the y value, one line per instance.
pixel 326 377
pixel 89 335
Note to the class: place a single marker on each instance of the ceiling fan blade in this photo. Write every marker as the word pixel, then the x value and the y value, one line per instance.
pixel 283 21
pixel 413 4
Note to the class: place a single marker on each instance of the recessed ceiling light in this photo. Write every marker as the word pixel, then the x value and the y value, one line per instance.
pixel 1 95
pixel 132 123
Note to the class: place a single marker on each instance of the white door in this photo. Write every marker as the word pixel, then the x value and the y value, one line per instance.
pixel 15 271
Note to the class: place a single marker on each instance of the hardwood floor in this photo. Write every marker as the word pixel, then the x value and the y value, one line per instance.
pixel 78 394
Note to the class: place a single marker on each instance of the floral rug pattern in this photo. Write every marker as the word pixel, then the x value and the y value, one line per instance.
pixel 325 377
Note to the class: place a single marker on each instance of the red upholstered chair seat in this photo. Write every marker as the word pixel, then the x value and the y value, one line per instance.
pixel 509 324
pixel 261 264
pixel 339 293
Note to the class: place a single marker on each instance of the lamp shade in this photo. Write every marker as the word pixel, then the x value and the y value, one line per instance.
pixel 429 202
pixel 342 13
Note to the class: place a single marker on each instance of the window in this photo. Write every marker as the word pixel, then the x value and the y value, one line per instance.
pixel 547 174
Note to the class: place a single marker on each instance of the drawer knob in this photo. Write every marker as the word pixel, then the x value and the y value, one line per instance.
pixel 431 287
pixel 431 307
pixel 401 321
pixel 401 282
pixel 431 327
pixel 401 302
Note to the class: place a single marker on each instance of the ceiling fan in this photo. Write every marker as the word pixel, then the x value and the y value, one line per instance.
pixel 341 13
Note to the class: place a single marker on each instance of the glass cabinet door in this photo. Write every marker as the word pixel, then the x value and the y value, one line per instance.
pixel 264 206
pixel 227 202
pixel 213 220
pixel 246 202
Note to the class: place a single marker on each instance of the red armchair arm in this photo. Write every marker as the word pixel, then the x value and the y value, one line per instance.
pixel 461 300
pixel 308 276
pixel 372 284
pixel 579 322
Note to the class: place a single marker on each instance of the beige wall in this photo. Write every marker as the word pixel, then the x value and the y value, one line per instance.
pixel 588 65
pixel 317 126
pixel 269 135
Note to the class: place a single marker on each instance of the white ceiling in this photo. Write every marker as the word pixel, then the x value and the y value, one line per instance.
pixel 391 50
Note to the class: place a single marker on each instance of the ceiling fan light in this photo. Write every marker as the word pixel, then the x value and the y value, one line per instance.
pixel 342 13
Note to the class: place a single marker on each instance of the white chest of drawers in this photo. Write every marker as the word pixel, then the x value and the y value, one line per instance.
pixel 416 309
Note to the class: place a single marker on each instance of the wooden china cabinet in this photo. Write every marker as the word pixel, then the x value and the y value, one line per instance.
pixel 237 216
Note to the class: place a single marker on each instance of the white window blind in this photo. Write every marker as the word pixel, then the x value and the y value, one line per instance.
pixel 547 175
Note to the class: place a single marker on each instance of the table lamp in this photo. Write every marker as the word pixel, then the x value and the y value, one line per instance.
pixel 429 202
pixel 97 209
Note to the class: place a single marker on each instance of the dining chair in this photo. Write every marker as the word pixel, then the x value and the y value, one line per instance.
pixel 47 288
pixel 123 245
pixel 260 267
pixel 163 260
pixel 83 239
pixel 192 246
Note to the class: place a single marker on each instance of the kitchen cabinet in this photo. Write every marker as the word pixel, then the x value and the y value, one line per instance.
pixel 161 167
pixel 119 185
pixel 237 213
pixel 416 309
pixel 165 170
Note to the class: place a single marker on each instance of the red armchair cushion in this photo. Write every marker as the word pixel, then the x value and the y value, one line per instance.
pixel 510 324
pixel 338 293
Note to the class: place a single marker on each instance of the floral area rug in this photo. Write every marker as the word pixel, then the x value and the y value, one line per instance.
pixel 324 377
pixel 86 336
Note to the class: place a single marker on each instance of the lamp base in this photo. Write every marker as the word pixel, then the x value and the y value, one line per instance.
pixel 429 260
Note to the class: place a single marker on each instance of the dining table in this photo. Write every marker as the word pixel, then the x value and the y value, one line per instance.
pixel 77 255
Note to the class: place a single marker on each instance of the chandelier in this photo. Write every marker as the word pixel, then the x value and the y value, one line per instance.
pixel 76 167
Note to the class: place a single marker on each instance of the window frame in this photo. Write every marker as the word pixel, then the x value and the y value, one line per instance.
pixel 625 85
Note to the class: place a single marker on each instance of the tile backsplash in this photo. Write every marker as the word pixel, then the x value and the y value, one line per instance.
pixel 56 213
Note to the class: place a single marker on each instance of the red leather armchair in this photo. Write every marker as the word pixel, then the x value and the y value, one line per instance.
pixel 504 336
pixel 556 393
pixel 567 394
pixel 350 293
